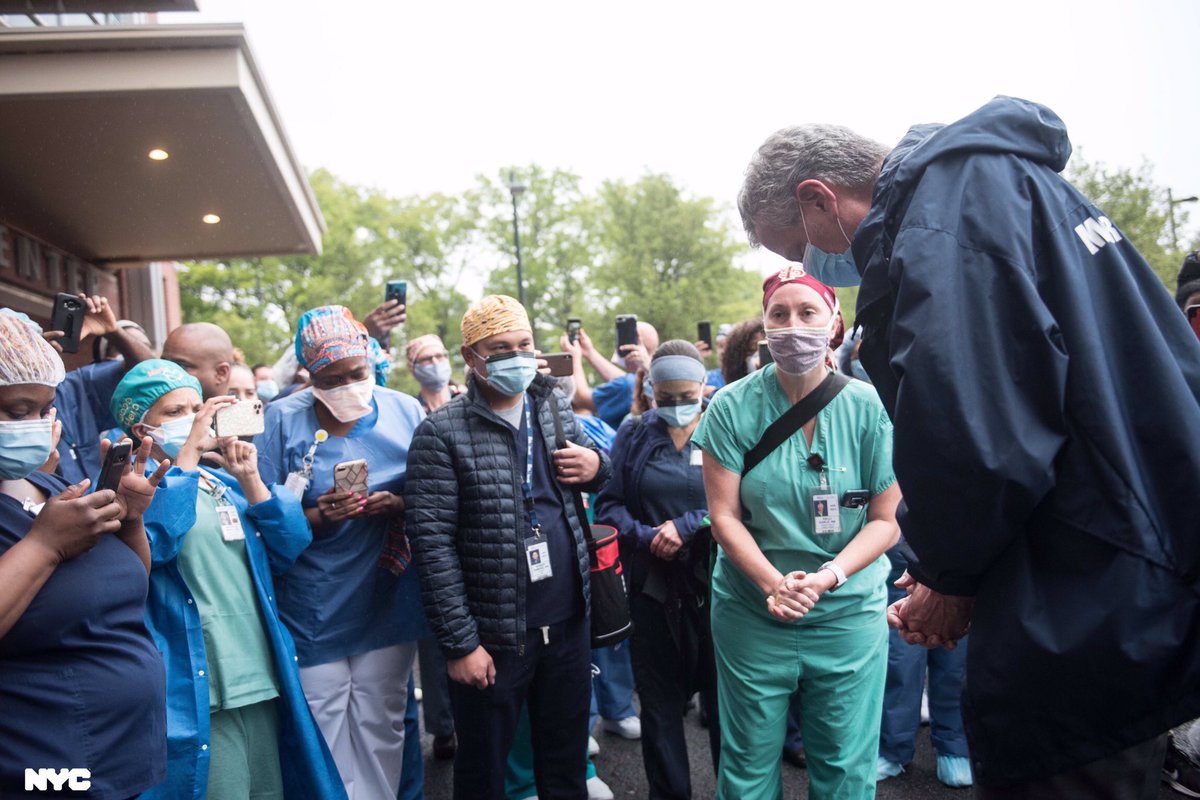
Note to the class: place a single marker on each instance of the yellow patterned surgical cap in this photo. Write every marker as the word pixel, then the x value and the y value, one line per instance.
pixel 496 313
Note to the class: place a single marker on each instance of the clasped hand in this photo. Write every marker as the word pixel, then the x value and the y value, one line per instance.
pixel 927 618
pixel 795 595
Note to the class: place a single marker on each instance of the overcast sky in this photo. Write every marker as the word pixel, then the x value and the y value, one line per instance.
pixel 415 97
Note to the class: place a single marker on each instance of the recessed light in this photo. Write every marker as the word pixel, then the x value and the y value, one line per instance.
pixel 211 219
pixel 158 155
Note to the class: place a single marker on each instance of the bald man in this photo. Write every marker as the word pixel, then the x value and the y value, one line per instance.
pixel 205 351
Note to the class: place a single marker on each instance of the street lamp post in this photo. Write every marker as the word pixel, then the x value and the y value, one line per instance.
pixel 1171 203
pixel 517 188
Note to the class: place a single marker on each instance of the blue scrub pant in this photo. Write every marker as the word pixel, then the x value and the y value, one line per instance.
pixel 906 669
pixel 412 775
pixel 839 666
pixel 612 689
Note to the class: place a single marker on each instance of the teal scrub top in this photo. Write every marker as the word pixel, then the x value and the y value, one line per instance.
pixel 853 436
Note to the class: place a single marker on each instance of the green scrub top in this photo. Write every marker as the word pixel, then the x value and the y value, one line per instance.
pixel 241 670
pixel 853 436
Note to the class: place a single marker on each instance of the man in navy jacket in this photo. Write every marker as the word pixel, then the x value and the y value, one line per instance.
pixel 1046 400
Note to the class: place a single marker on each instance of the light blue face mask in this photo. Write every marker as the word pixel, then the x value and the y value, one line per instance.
pixel 510 373
pixel 172 436
pixel 267 390
pixel 434 377
pixel 24 446
pixel 679 416
pixel 834 269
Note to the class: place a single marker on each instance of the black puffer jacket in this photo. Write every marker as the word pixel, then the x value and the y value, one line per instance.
pixel 465 521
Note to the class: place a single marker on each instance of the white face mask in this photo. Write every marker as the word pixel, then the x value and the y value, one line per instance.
pixel 348 402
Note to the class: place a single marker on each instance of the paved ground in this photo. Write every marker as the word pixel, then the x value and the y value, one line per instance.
pixel 620 765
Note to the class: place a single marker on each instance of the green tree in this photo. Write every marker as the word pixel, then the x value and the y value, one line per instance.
pixel 1138 207
pixel 371 238
pixel 559 248
pixel 669 258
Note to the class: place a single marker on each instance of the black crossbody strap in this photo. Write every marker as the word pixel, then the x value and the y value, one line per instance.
pixel 794 419
pixel 560 441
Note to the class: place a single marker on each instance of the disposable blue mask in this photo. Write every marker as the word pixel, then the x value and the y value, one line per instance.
pixel 172 436
pixel 679 416
pixel 24 446
pixel 434 377
pixel 267 390
pixel 511 373
pixel 834 269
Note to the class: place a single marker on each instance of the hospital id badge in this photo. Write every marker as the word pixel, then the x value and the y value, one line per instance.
pixel 537 556
pixel 297 484
pixel 697 457
pixel 825 512
pixel 231 523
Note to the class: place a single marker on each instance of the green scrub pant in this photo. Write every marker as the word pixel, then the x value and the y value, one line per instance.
pixel 840 667
pixel 244 760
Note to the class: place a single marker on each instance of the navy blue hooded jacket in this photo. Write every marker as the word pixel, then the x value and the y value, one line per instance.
pixel 1045 392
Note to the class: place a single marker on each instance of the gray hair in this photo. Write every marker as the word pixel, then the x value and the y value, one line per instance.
pixel 832 154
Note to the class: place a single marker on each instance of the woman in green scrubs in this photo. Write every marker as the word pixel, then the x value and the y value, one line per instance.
pixel 798 593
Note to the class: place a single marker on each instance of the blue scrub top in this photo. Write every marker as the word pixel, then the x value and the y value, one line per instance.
pixel 81 683
pixel 336 599
pixel 82 401
pixel 614 399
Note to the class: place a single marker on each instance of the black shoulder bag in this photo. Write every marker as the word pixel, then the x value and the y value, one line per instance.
pixel 611 622
pixel 794 419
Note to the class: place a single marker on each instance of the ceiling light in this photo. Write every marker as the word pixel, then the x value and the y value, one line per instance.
pixel 211 219
pixel 158 155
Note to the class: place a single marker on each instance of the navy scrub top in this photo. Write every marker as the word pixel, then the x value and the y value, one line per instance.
pixel 81 683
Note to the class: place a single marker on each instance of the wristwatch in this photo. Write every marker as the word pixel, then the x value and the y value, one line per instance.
pixel 838 573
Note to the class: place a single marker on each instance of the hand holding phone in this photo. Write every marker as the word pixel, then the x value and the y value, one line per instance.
pixel 351 477
pixel 240 419
pixel 116 464
pixel 561 365
pixel 573 326
pixel 627 332
pixel 396 290
pixel 704 332
pixel 67 316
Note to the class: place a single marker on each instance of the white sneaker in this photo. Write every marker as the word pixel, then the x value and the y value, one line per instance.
pixel 628 728
pixel 598 789
pixel 593 747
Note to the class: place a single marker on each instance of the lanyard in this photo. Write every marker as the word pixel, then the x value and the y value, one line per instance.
pixel 307 461
pixel 527 488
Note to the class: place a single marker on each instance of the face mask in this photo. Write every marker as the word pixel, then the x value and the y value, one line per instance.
pixel 434 377
pixel 267 390
pixel 510 373
pixel 24 446
pixel 752 363
pixel 679 416
pixel 348 402
pixel 172 436
pixel 834 269
pixel 798 350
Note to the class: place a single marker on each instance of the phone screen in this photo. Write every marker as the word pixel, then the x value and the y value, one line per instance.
pixel 116 464
pixel 627 330
pixel 704 332
pixel 397 290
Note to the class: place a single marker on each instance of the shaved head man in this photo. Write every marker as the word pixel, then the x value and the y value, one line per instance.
pixel 205 351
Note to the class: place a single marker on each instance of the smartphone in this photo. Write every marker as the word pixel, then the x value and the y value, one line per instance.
pixel 764 355
pixel 116 464
pixel 626 330
pixel 856 498
pixel 67 317
pixel 351 476
pixel 562 365
pixel 573 326
pixel 240 419
pixel 704 332
pixel 397 290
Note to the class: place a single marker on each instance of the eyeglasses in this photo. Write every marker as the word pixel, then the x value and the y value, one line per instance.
pixel 425 361
pixel 1192 311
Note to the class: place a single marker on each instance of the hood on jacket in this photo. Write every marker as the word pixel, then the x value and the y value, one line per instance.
pixel 1004 125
